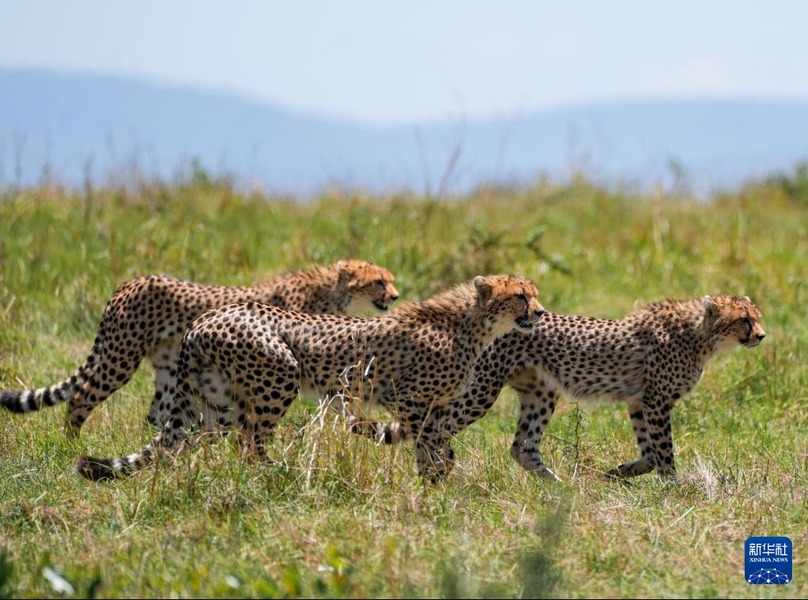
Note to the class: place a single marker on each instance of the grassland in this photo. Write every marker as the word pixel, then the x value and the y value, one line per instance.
pixel 340 517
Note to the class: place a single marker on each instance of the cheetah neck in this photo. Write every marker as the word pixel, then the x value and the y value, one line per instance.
pixel 455 312
pixel 316 290
pixel 474 333
pixel 685 320
pixel 715 346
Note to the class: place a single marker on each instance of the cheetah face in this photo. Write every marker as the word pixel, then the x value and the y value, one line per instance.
pixel 512 301
pixel 369 286
pixel 752 332
pixel 385 294
pixel 736 321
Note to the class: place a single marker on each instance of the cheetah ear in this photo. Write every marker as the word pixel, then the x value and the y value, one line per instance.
pixel 484 290
pixel 343 271
pixel 710 309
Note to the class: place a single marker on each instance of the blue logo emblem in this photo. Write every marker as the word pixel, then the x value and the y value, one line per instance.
pixel 768 560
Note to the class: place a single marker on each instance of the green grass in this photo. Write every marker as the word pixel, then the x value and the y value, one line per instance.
pixel 340 517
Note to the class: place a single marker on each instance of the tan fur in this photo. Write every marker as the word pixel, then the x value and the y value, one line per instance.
pixel 147 316
pixel 248 362
pixel 650 359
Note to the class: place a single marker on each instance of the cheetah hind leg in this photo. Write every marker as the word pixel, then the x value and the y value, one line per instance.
pixel 434 455
pixel 174 436
pixel 226 408
pixel 102 375
pixel 537 402
pixel 270 392
pixel 645 464
pixel 164 361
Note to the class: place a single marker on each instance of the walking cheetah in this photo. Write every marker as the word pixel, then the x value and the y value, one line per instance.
pixel 650 359
pixel 146 317
pixel 250 361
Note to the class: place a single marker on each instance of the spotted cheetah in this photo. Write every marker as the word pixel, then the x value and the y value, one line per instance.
pixel 146 317
pixel 650 359
pixel 412 361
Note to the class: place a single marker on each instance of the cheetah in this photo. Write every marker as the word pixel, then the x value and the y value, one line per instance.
pixel 146 317
pixel 412 361
pixel 650 359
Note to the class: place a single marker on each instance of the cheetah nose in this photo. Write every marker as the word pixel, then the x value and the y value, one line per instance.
pixel 394 297
pixel 540 313
pixel 760 336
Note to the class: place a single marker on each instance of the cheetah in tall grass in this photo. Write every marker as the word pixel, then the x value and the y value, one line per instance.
pixel 243 365
pixel 650 359
pixel 147 316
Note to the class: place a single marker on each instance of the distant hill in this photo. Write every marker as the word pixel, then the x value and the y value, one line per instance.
pixel 105 126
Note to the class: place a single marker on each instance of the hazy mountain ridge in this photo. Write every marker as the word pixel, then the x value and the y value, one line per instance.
pixel 70 121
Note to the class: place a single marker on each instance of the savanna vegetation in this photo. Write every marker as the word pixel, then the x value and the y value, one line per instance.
pixel 338 516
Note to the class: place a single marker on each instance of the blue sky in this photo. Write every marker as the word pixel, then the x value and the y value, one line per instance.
pixel 416 61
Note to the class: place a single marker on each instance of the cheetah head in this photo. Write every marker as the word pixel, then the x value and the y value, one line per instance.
pixel 733 320
pixel 511 301
pixel 369 286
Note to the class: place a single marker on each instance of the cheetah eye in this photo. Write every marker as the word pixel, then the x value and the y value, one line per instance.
pixel 380 282
pixel 747 321
pixel 523 298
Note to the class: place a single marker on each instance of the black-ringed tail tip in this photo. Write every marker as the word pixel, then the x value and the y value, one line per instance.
pixel 104 469
pixel 95 469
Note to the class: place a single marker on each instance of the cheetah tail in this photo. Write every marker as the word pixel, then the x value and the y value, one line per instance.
pixel 383 433
pixel 106 469
pixel 25 401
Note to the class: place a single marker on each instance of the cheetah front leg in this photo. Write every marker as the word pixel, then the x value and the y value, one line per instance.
pixel 467 408
pixel 537 400
pixel 434 455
